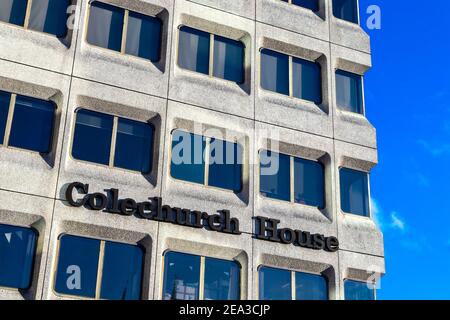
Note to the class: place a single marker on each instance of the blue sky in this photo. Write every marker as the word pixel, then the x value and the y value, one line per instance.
pixel 408 101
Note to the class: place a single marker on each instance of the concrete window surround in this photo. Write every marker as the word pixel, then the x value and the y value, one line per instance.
pixel 206 151
pixel 113 141
pixel 72 74
pixel 303 55
pixel 125 25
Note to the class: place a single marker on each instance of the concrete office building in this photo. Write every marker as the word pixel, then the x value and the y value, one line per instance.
pixel 94 203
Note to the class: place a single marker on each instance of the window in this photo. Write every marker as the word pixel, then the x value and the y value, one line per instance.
pixel 275 180
pixel 223 165
pixel 357 290
pixel 17 250
pixel 354 192
pixel 276 284
pixel 92 268
pixel 308 4
pixel 349 91
pixel 194 53
pixel 291 76
pixel 48 16
pixel 113 141
pixel 26 123
pixel 183 278
pixel 124 31
pixel 346 10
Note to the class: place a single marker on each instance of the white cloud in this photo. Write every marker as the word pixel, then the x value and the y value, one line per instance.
pixel 397 222
pixel 385 222
pixel 376 213
pixel 435 149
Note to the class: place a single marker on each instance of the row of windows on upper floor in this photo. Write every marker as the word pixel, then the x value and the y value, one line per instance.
pixel 27 123
pixel 135 34
pixel 50 16
pixel 98 269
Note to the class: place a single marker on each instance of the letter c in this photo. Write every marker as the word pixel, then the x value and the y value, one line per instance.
pixel 81 189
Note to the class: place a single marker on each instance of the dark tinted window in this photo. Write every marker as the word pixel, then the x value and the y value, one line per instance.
pixel 355 290
pixel 77 269
pixel 49 16
pixel 225 161
pixel 274 284
pixel 193 50
pixel 92 137
pixel 221 280
pixel 346 10
pixel 17 250
pixel 274 181
pixel 122 272
pixel 228 59
pixel 187 161
pixel 310 287
pixel 308 4
pixel 5 99
pixel 181 276
pixel 274 71
pixel 32 124
pixel 13 11
pixel 225 169
pixel 309 183
pixel 354 192
pixel 133 146
pixel 349 91
pixel 143 36
pixel 307 83
pixel 105 26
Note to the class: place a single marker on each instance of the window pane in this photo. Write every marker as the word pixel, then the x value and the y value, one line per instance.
pixel 307 82
pixel 122 272
pixel 308 4
pixel 355 290
pixel 225 168
pixel 228 59
pixel 346 10
pixel 193 50
pixel 143 36
pixel 5 99
pixel 349 91
pixel 105 26
pixel 13 11
pixel 92 137
pixel 17 249
pixel 221 280
pixel 274 284
pixel 181 276
pixel 309 183
pixel 187 157
pixel 32 124
pixel 310 287
pixel 274 180
pixel 77 266
pixel 133 146
pixel 49 16
pixel 354 192
pixel 274 71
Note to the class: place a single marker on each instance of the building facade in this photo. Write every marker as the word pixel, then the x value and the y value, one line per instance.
pixel 106 110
